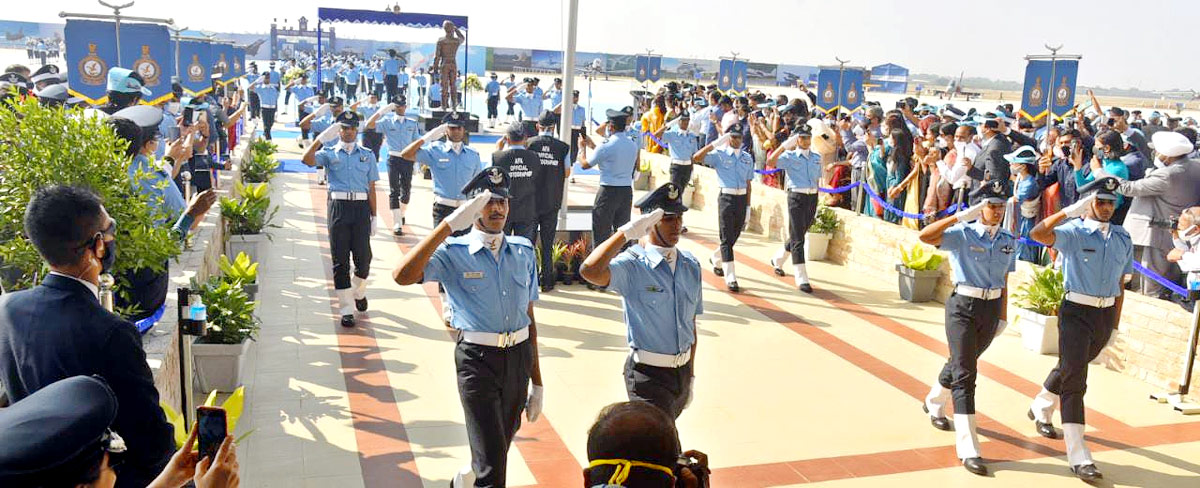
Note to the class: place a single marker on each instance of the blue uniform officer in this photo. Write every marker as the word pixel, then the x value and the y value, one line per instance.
pixel 617 159
pixel 1097 260
pixel 320 120
pixel 451 162
pixel 982 253
pixel 802 167
pixel 735 169
pixel 493 100
pixel 660 288
pixel 491 284
pixel 529 98
pixel 352 175
pixel 399 131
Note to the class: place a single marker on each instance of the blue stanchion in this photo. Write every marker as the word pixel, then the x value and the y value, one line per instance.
pixel 145 324
pixel 1168 284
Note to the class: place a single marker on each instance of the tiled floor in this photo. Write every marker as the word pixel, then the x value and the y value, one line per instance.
pixel 791 389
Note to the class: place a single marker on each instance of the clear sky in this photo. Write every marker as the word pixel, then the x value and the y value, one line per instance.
pixel 1125 43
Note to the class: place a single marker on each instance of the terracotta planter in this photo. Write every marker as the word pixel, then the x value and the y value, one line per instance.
pixel 815 246
pixel 1039 333
pixel 917 286
pixel 219 366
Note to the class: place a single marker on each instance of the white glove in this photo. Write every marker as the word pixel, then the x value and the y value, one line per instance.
pixel 637 228
pixel 1079 208
pixel 465 215
pixel 533 405
pixel 389 108
pixel 372 234
pixel 791 142
pixel 723 140
pixel 747 222
pixel 310 99
pixel 321 111
pixel 435 134
pixel 1000 326
pixel 970 213
pixel 691 392
pixel 332 133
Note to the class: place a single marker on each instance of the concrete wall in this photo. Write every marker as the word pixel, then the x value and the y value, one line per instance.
pixel 1151 339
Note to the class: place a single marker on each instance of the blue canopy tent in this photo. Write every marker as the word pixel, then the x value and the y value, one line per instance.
pixel 890 78
pixel 407 19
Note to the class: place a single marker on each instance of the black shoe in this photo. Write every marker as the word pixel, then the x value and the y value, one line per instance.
pixel 975 465
pixel 716 268
pixel 1087 472
pixel 806 288
pixel 939 423
pixel 347 321
pixel 733 287
pixel 683 230
pixel 778 270
pixel 1046 429
pixel 547 288
pixel 398 231
pixel 361 304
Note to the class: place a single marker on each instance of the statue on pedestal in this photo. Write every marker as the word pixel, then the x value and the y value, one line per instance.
pixel 445 63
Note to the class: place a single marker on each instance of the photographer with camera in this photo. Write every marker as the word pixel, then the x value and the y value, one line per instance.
pixel 635 445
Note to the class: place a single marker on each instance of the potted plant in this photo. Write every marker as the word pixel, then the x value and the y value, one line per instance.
pixel 816 241
pixel 241 270
pixel 233 407
pixel 1037 310
pixel 918 270
pixel 261 165
pixel 570 258
pixel 578 251
pixel 218 354
pixel 557 253
pixel 246 219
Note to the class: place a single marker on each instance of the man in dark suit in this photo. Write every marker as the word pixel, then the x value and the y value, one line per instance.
pixel 991 165
pixel 59 329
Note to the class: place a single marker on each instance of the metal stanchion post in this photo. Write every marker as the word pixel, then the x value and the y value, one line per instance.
pixel 106 291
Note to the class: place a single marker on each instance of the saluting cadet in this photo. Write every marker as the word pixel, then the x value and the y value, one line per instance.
pixel 509 84
pixel 371 138
pixel 493 100
pixel 491 284
pixel 981 254
pixel 681 146
pixel 351 75
pixel 660 288
pixel 318 122
pixel 328 78
pixel 305 94
pixel 1097 260
pixel 554 94
pixel 802 167
pixel 400 131
pixel 391 74
pixel 529 99
pixel 352 176
pixel 549 180
pixel 451 163
pixel 521 165
pixel 617 159
pixel 268 95
pixel 735 170
pixel 377 76
pixel 578 118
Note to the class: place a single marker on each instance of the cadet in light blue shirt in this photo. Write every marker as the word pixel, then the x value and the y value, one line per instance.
pixel 452 163
pixel 352 172
pixel 661 290
pixel 981 255
pixel 529 98
pixel 735 169
pixel 617 159
pixel 399 131
pixel 268 95
pixel 555 94
pixel 681 146
pixel 1097 259
pixel 493 100
pixel 802 167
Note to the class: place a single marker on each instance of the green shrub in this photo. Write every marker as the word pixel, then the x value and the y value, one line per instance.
pixel 230 311
pixel 920 258
pixel 250 214
pixel 239 270
pixel 261 165
pixel 44 146
pixel 826 221
pixel 1043 294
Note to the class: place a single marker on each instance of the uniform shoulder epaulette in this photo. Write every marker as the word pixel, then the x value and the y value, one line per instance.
pixel 518 240
pixel 462 240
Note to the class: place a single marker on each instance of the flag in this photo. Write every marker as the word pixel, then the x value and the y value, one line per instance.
pixel 641 64
pixel 852 90
pixel 828 89
pixel 654 64
pixel 195 66
pixel 91 51
pixel 222 56
pixel 239 62
pixel 146 49
pixel 725 75
pixel 1065 75
pixel 1035 95
pixel 739 76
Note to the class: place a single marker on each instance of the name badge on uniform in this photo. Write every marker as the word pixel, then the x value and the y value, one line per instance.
pixel 362 159
pixel 443 160
pixel 978 249
pixel 473 275
pixel 1007 249
pixel 654 289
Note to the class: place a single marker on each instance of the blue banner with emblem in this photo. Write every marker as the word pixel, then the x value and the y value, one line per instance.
pixel 239 61
pixel 828 89
pixel 147 50
pixel 91 51
pixel 654 66
pixel 725 75
pixel 222 61
pixel 195 66
pixel 641 68
pixel 851 96
pixel 739 76
pixel 1066 73
pixel 1035 97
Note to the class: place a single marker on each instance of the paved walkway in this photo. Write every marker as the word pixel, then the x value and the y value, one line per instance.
pixel 791 389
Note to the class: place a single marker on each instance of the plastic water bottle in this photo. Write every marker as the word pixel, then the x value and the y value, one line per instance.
pixel 198 311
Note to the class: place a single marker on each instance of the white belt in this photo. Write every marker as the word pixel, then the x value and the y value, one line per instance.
pixel 268 106
pixel 502 340
pixel 348 195
pixel 662 360
pixel 449 202
pixel 806 191
pixel 1091 301
pixel 682 162
pixel 733 191
pixel 530 119
pixel 399 154
pixel 980 293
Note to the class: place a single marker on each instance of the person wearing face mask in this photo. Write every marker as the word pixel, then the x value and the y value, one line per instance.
pixel 491 284
pixel 1187 247
pixel 352 175
pixel 319 121
pixel 982 254
pixel 1172 185
pixel 662 291
pixel 735 172
pixel 1097 260
pixel 58 329
pixel 803 168
pixel 990 165
pixel 1027 196
pixel 400 131
pixel 1105 162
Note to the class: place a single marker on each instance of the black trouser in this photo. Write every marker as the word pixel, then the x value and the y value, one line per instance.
pixel 349 235
pixel 304 111
pixel 254 105
pixel 731 217
pixel 681 175
pixel 400 172
pixel 390 85
pixel 268 118
pixel 547 228
pixel 378 90
pixel 510 107
pixel 493 384
pixel 802 210
pixel 610 211
pixel 1083 331
pixel 665 388
pixel 201 168
pixel 287 98
pixel 351 91
pixel 970 327
pixel 493 106
pixel 327 89
pixel 575 135
pixel 420 93
pixel 522 228
pixel 373 140
pixel 440 212
pixel 341 83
